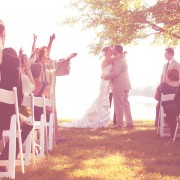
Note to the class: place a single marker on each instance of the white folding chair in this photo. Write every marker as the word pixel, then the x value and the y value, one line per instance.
pixel 40 125
pixel 163 130
pixel 50 124
pixel 28 101
pixel 10 97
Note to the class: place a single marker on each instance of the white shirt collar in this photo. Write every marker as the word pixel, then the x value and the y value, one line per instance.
pixel 170 61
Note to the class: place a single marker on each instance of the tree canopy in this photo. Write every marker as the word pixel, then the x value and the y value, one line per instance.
pixel 128 21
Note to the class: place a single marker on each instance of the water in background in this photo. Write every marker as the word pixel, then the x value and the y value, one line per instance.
pixel 74 105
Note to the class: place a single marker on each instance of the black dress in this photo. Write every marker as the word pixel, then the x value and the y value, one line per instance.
pixel 164 88
pixel 172 110
pixel 39 110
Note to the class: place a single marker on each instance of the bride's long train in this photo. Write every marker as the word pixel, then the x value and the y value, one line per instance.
pixel 98 114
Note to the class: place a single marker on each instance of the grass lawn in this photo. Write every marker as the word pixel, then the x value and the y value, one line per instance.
pixel 109 154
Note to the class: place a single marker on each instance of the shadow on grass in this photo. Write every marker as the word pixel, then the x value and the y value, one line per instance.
pixel 140 148
pixel 158 155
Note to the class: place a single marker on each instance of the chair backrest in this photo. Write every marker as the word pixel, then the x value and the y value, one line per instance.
pixel 40 102
pixel 164 98
pixel 28 101
pixel 10 97
pixel 48 102
pixel 167 97
pixel 51 123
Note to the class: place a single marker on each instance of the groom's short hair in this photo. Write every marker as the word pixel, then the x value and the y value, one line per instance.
pixel 106 48
pixel 170 51
pixel 118 48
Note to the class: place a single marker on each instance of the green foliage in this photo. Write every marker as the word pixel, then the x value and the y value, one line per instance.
pixel 128 21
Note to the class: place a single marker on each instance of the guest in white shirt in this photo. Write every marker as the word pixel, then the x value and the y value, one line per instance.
pixel 28 84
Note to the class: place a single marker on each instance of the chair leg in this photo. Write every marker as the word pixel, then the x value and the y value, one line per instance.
pixel 161 128
pixel 12 152
pixel 21 152
pixel 53 132
pixel 175 133
pixel 46 139
pixel 50 137
pixel 41 141
pixel 28 144
pixel 33 146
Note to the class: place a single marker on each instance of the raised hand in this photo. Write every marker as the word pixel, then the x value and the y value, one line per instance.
pixel 20 51
pixel 35 37
pixel 52 37
pixel 73 55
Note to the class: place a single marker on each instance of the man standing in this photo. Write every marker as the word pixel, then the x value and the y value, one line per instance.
pixel 170 64
pixel 120 88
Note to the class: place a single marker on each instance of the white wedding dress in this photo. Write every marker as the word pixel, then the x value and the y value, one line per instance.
pixel 98 115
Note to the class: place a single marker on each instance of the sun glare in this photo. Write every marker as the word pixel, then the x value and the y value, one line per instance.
pixel 150 2
pixel 42 18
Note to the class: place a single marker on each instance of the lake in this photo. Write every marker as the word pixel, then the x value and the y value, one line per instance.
pixel 74 105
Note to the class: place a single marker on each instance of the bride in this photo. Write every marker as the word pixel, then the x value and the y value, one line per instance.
pixel 98 114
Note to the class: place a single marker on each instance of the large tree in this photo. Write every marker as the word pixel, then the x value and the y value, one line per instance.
pixel 128 21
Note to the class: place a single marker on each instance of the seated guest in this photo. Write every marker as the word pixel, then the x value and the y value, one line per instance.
pixel 172 112
pixel 10 77
pixel 61 67
pixel 168 87
pixel 26 75
pixel 41 88
pixel 27 82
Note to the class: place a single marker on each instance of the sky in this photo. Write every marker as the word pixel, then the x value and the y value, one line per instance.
pixel 23 18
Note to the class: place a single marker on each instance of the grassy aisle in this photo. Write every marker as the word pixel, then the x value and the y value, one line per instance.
pixel 109 154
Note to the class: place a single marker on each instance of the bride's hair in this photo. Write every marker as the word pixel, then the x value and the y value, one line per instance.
pixel 105 49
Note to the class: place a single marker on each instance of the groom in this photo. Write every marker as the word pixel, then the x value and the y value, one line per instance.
pixel 120 88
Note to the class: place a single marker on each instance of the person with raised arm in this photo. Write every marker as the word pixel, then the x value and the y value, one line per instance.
pixel 51 69
pixel 98 114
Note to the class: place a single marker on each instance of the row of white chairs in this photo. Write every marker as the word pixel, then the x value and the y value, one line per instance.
pixel 162 129
pixel 45 129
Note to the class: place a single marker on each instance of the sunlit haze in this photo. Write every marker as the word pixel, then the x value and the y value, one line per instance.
pixel 23 18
